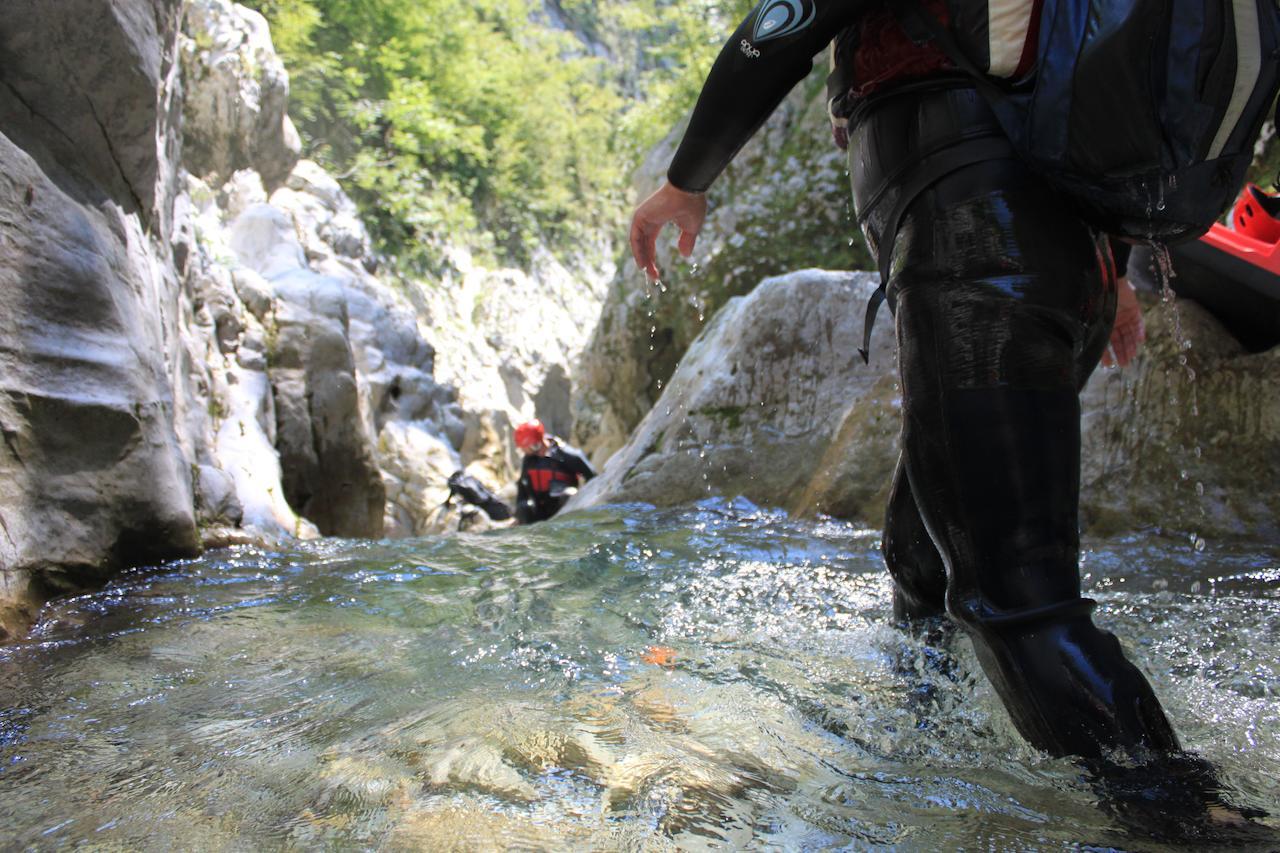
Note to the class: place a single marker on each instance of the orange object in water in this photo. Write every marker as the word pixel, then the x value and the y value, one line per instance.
pixel 663 656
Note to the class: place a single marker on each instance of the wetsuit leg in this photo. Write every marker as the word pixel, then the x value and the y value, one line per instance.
pixel 919 577
pixel 1000 303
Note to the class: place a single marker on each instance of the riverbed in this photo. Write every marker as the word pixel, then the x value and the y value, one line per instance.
pixel 713 677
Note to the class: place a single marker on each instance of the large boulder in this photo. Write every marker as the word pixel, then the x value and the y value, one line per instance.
pixel 326 453
pixel 88 87
pixel 772 402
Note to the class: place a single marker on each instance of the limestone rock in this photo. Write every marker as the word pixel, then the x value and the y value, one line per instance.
pixel 89 87
pixel 508 340
pixel 329 472
pixel 98 461
pixel 415 465
pixel 94 473
pixel 237 95
pixel 772 402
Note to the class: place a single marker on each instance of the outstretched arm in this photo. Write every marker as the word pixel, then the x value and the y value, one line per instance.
pixel 771 51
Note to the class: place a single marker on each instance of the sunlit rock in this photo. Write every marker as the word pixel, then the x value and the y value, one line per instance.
pixel 326 454
pixel 415 464
pixel 508 340
pixel 237 95
pixel 91 86
pixel 772 402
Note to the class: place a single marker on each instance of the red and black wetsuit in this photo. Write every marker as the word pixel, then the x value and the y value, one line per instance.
pixel 1003 302
pixel 541 491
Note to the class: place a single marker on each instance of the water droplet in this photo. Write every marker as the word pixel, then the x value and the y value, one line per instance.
pixel 1198 451
pixel 1200 489
pixel 1200 544
pixel 1183 474
pixel 1195 587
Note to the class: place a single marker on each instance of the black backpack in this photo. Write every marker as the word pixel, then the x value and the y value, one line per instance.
pixel 462 485
pixel 1144 113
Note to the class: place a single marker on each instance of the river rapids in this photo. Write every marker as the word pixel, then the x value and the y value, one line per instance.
pixel 713 677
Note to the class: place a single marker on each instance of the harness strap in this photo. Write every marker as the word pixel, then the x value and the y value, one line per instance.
pixel 929 171
pixel 1059 610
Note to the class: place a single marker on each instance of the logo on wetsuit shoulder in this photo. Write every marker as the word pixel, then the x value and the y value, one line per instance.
pixel 778 18
pixel 749 51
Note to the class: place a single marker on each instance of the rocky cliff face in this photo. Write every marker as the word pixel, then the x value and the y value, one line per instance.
pixel 196 346
pixel 94 469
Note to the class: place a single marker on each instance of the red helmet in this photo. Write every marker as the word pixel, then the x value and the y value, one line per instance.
pixel 530 434
pixel 1255 215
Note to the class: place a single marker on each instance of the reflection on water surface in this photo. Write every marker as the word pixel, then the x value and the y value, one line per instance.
pixel 713 677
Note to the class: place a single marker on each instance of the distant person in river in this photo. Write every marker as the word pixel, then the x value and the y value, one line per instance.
pixel 549 475
pixel 1003 302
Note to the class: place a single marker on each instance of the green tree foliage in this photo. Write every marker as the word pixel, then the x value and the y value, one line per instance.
pixel 500 122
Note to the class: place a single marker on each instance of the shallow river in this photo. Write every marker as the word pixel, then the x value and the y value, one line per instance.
pixel 713 677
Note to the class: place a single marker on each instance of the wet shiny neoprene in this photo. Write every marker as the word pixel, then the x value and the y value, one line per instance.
pixel 1003 302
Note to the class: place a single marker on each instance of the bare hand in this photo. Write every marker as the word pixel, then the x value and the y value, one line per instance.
pixel 667 204
pixel 1128 333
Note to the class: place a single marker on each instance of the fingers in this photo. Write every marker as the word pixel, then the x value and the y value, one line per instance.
pixel 668 204
pixel 687 239
pixel 644 238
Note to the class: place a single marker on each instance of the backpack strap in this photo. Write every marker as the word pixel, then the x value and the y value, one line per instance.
pixel 930 170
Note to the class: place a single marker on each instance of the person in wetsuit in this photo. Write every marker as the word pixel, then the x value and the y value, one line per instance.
pixel 1003 300
pixel 551 470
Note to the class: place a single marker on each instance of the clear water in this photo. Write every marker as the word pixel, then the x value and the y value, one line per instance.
pixel 713 677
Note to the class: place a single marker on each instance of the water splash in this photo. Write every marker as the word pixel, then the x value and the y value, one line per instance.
pixel 500 689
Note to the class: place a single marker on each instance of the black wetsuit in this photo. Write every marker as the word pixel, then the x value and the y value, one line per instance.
pixel 541 491
pixel 1003 302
